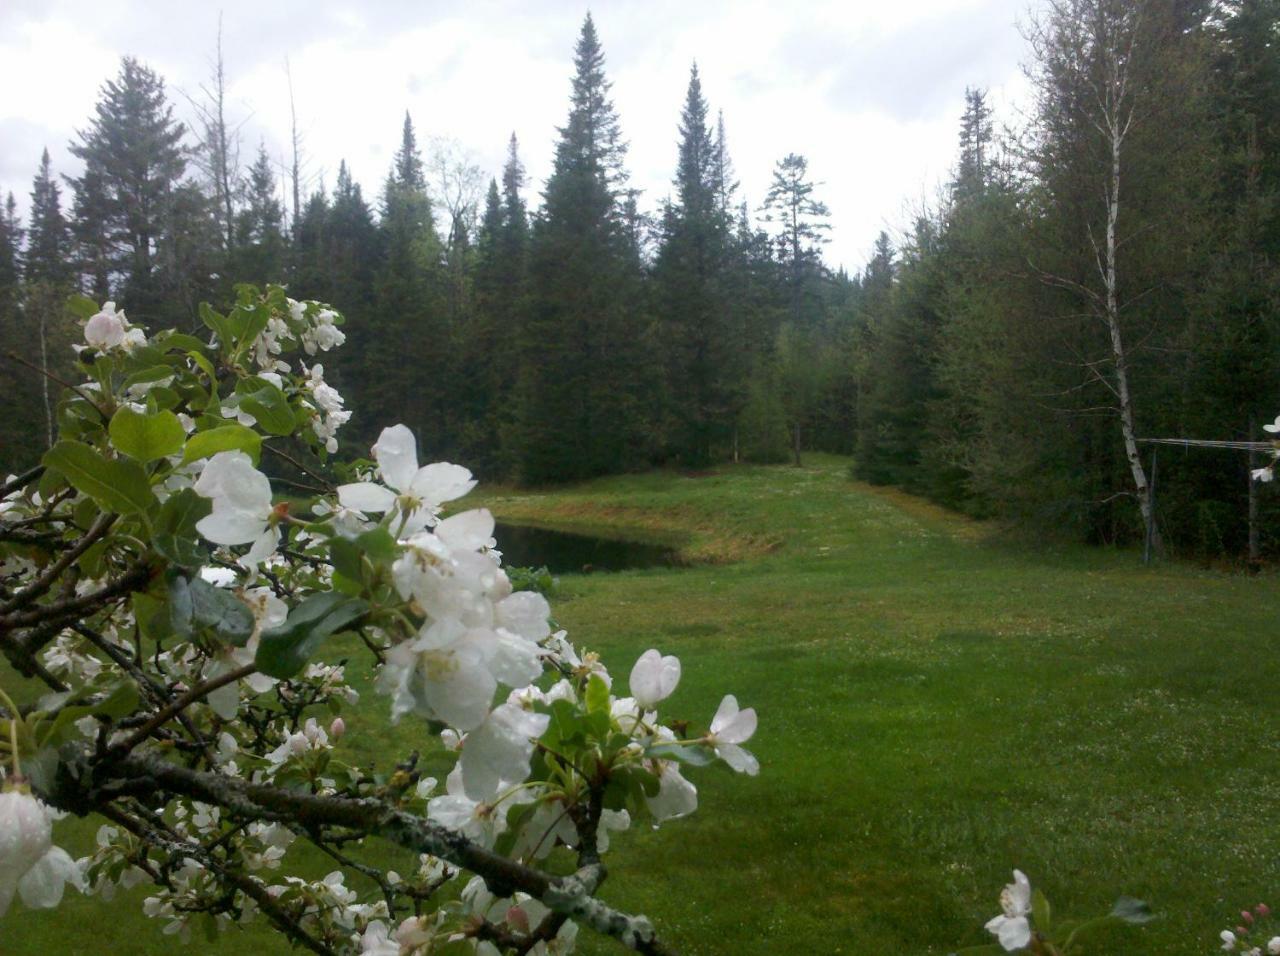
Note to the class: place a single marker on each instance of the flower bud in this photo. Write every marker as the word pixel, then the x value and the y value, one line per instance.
pixel 1247 917
pixel 1263 910
pixel 337 728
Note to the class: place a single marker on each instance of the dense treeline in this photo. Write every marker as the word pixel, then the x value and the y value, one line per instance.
pixel 1106 273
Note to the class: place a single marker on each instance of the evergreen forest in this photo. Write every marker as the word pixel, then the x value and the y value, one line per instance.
pixel 1102 270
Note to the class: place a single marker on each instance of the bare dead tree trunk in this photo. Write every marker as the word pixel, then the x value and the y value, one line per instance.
pixel 222 155
pixel 295 172
pixel 44 379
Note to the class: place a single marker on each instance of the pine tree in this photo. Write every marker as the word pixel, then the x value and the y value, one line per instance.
pixel 19 443
pixel 134 164
pixel 582 360
pixel 802 226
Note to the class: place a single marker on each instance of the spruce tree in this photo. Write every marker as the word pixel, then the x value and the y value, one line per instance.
pixel 690 278
pixel 976 134
pixel 582 352
pixel 134 164
pixel 260 248
pixel 19 431
pixel 48 281
pixel 49 237
pixel 405 342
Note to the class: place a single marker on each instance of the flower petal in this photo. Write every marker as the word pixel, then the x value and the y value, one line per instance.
pixel 366 496
pixel 396 453
pixel 440 482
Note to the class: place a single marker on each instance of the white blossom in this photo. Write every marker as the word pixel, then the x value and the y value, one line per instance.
pixel 110 330
pixel 498 750
pixel 416 493
pixel 729 728
pixel 654 678
pixel 1012 927
pixel 242 507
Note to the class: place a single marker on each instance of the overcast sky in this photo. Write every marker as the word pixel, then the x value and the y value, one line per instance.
pixel 870 92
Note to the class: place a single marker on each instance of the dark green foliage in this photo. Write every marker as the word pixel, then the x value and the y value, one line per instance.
pixel 48 256
pixel 973 364
pixel 581 358
pixel 260 250
pixel 132 194
pixel 691 289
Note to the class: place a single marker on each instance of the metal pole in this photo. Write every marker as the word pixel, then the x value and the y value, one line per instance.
pixel 1151 510
pixel 1254 550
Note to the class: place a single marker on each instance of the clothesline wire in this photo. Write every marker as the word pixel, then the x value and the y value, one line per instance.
pixel 1209 443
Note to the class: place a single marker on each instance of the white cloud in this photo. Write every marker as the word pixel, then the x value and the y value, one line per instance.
pixel 870 92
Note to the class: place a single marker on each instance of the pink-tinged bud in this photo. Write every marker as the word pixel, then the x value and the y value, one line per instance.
pixel 1263 910
pixel 518 919
pixel 1247 917
pixel 337 728
pixel 1242 931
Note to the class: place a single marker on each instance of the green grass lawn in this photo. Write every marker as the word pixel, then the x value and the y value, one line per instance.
pixel 936 707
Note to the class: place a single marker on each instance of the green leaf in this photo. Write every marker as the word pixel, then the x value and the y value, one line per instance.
pixel 206 444
pixel 1130 910
pixel 175 530
pixel 694 756
pixel 152 373
pixel 83 307
pixel 379 544
pixel 1041 912
pixel 597 695
pixel 179 341
pixel 196 605
pixel 346 557
pixel 115 485
pixel 217 322
pixel 285 650
pixel 268 405
pixel 123 700
pixel 146 437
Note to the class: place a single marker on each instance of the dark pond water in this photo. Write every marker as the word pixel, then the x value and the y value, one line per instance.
pixel 565 553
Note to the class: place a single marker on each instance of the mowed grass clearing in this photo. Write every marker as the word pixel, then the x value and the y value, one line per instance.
pixel 937 706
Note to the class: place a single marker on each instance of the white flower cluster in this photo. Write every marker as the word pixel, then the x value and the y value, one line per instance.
pixel 1268 472
pixel 30 864
pixel 328 404
pixel 109 331
pixel 309 324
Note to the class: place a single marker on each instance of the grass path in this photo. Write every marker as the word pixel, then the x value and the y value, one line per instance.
pixel 936 708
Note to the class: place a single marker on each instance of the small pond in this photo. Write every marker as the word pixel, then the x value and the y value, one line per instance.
pixel 565 553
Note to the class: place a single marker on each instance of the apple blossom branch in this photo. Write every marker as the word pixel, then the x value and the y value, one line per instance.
pixel 93 783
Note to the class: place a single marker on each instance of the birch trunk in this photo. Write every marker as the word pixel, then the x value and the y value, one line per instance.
pixel 1116 129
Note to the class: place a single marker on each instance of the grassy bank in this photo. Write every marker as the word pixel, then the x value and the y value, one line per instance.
pixel 935 708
